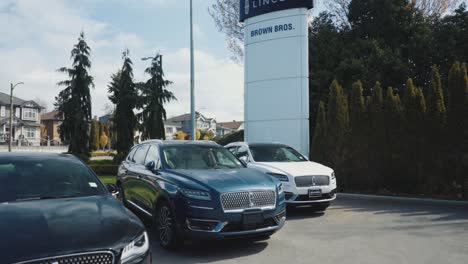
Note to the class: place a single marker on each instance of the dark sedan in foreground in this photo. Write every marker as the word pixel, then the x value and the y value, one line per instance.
pixel 54 209
pixel 199 190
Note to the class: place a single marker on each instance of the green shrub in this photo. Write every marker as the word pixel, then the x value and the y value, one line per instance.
pixel 105 169
pixel 103 154
pixel 229 138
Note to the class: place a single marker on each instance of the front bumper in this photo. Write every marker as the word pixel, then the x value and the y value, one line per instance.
pixel 295 199
pixel 201 223
pixel 144 259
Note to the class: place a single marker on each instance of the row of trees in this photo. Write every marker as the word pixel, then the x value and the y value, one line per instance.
pixel 138 105
pixel 414 144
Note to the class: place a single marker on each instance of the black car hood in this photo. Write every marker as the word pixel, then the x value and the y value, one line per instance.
pixel 228 180
pixel 45 228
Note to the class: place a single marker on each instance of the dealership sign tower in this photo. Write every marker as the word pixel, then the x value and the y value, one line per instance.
pixel 276 71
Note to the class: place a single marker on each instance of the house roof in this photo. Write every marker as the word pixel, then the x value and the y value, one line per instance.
pixel 186 117
pixel 105 118
pixel 54 115
pixel 234 125
pixel 5 100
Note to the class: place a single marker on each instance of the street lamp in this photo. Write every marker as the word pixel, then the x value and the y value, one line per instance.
pixel 192 79
pixel 12 87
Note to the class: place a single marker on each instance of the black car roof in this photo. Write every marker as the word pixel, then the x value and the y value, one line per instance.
pixel 181 142
pixel 34 156
pixel 267 144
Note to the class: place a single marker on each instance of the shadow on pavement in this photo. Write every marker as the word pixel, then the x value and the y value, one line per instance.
pixel 206 251
pixel 432 210
pixel 300 213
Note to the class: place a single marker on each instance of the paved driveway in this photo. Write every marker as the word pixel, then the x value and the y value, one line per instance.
pixel 354 230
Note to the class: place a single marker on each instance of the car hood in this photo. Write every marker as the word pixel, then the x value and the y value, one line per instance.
pixel 226 180
pixel 47 228
pixel 296 168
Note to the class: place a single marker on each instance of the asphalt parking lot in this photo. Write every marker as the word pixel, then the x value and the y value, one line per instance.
pixel 356 229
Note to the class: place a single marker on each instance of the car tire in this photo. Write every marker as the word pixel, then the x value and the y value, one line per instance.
pixel 321 206
pixel 166 227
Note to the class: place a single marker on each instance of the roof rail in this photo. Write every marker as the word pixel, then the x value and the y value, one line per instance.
pixel 152 141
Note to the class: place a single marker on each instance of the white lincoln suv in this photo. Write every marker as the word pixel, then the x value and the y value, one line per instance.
pixel 305 182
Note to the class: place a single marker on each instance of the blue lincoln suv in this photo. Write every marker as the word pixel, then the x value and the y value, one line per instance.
pixel 195 190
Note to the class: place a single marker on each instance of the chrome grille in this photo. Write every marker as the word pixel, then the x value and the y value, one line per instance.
pixel 315 180
pixel 85 258
pixel 247 200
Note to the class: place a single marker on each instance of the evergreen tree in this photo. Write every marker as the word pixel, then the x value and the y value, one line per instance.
pixel 458 122
pixel 154 95
pixel 124 95
pixel 415 109
pixel 94 135
pixel 74 102
pixel 394 135
pixel 376 137
pixel 319 143
pixel 337 124
pixel 357 144
pixel 435 140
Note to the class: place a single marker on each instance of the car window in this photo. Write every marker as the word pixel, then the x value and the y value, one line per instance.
pixel 199 158
pixel 130 155
pixel 275 153
pixel 46 178
pixel 153 155
pixel 140 155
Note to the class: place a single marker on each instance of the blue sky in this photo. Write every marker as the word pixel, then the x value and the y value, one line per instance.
pixel 37 36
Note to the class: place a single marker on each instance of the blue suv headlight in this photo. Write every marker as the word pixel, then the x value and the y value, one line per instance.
pixel 280 177
pixel 196 194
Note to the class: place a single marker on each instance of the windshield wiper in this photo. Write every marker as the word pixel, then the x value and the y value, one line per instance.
pixel 44 198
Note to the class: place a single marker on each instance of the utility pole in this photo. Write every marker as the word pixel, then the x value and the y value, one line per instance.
pixel 192 79
pixel 10 135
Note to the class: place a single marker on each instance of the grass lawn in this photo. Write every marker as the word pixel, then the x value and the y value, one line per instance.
pixel 108 179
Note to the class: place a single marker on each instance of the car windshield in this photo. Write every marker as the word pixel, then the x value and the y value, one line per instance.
pixel 273 153
pixel 186 157
pixel 26 179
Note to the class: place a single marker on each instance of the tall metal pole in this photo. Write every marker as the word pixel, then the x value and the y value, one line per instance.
pixel 10 136
pixel 11 118
pixel 192 79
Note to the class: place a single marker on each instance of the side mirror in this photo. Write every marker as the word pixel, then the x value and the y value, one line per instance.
pixel 151 165
pixel 244 159
pixel 113 189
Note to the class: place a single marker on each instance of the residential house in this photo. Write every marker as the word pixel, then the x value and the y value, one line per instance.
pixel 225 128
pixel 26 121
pixel 171 128
pixel 203 122
pixel 51 122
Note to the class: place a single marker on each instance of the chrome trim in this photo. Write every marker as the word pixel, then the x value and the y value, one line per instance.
pixel 217 228
pixel 311 202
pixel 201 207
pixel 69 255
pixel 263 208
pixel 247 232
pixel 139 208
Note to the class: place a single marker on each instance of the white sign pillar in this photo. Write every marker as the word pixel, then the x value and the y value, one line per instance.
pixel 276 96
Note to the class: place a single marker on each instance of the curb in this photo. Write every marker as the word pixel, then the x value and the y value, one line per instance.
pixel 408 199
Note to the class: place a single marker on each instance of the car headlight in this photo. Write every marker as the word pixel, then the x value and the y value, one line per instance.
pixel 280 189
pixel 333 177
pixel 196 194
pixel 136 248
pixel 278 176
